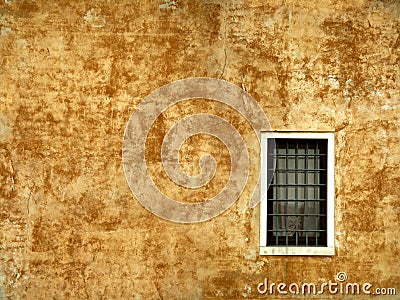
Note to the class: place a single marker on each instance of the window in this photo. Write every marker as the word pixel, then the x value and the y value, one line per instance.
pixel 297 193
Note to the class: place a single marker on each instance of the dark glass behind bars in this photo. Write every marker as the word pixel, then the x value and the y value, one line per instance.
pixel 297 194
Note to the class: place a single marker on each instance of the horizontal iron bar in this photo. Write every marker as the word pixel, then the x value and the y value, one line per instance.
pixel 298 215
pixel 296 245
pixel 298 184
pixel 289 170
pixel 294 155
pixel 296 230
pixel 296 200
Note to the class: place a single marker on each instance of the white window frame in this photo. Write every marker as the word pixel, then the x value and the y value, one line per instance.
pixel 328 250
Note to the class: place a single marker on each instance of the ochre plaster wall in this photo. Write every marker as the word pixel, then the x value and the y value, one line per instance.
pixel 72 73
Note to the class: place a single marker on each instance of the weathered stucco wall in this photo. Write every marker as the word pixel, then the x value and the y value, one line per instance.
pixel 72 73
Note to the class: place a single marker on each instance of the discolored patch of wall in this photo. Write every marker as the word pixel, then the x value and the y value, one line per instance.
pixel 72 73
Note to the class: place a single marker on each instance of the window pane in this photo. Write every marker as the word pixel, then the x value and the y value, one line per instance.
pixel 296 216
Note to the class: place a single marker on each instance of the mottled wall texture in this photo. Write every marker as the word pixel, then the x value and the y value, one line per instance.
pixel 73 72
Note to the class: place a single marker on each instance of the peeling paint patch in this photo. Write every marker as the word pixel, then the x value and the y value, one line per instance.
pixel 247 292
pixel 333 81
pixel 251 255
pixel 94 18
pixel 5 128
pixel 169 4
pixel 5 31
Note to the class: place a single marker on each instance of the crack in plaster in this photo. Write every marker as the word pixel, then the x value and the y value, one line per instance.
pixel 224 46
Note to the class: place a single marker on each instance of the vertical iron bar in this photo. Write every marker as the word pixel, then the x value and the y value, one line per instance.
pixel 276 189
pixel 317 196
pixel 296 181
pixel 306 193
pixel 287 192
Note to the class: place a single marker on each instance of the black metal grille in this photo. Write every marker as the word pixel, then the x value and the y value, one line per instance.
pixel 297 195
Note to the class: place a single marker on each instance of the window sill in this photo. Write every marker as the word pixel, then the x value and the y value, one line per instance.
pixel 323 251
